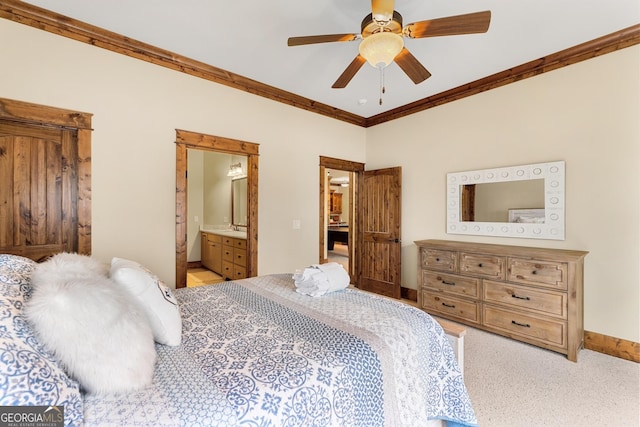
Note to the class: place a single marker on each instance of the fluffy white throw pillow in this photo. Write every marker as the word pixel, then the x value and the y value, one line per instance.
pixel 154 297
pixel 93 327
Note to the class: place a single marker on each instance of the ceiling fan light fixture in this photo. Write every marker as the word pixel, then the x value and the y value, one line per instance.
pixel 379 49
pixel 382 10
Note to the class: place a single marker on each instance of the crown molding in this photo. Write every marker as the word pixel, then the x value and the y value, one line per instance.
pixel 610 43
pixel 37 17
pixel 43 19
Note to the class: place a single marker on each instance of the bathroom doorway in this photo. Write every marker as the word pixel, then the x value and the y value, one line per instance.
pixel 217 216
pixel 186 141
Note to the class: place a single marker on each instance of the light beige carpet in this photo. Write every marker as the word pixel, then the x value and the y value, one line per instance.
pixel 512 384
pixel 339 254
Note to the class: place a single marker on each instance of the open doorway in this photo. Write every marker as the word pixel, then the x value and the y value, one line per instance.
pixel 338 222
pixel 339 209
pixel 373 238
pixel 217 216
pixel 186 141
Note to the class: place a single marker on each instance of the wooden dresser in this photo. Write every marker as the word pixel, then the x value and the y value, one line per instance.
pixel 533 295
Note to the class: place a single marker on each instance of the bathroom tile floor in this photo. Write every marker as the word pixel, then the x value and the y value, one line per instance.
pixel 201 276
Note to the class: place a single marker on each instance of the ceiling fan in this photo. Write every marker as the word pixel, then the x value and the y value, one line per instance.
pixel 381 39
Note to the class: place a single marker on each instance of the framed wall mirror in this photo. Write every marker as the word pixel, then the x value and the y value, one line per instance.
pixel 519 201
pixel 239 201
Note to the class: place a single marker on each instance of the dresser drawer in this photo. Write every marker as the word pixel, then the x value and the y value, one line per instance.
pixel 213 238
pixel 465 286
pixel 227 269
pixel 536 300
pixel 547 331
pixel 239 272
pixel 489 266
pixel 240 243
pixel 451 306
pixel 240 257
pixel 227 253
pixel 541 273
pixel 439 260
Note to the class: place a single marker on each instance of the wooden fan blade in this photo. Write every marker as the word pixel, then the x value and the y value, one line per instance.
pixel 470 23
pixel 411 66
pixel 350 71
pixel 326 38
pixel 382 10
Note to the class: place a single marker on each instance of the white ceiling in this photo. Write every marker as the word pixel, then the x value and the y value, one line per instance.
pixel 249 38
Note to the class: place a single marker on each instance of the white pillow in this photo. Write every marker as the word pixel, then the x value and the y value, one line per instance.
pixel 154 297
pixel 29 375
pixel 96 331
pixel 76 264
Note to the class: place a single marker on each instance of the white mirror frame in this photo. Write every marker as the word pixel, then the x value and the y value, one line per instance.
pixel 554 180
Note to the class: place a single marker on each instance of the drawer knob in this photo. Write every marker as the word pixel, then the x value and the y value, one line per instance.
pixel 524 325
pixel 444 282
pixel 437 259
pixel 480 265
pixel 519 297
pixel 449 305
pixel 534 272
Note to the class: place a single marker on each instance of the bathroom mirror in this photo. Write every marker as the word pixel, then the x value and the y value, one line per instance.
pixel 519 201
pixel 239 201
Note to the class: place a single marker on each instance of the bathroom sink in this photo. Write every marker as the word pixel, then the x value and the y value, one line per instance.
pixel 231 233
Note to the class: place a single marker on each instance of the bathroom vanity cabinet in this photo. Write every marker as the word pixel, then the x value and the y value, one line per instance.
pixel 234 258
pixel 211 252
pixel 224 255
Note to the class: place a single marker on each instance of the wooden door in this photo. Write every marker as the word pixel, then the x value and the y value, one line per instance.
pixel 38 190
pixel 380 270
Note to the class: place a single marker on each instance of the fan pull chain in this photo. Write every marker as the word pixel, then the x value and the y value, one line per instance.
pixel 382 88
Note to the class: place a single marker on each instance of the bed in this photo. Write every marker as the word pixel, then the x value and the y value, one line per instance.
pixel 256 353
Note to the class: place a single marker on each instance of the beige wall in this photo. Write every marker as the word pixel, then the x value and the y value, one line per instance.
pixel 585 114
pixel 137 107
pixel 493 200
pixel 217 189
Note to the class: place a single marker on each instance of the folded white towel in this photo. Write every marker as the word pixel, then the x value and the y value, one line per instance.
pixel 320 279
pixel 314 288
pixel 336 274
pixel 306 274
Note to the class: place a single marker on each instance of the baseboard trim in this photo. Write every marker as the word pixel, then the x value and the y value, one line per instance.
pixel 616 347
pixel 408 293
pixel 194 264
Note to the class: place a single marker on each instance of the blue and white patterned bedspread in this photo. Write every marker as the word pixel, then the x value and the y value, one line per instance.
pixel 255 353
